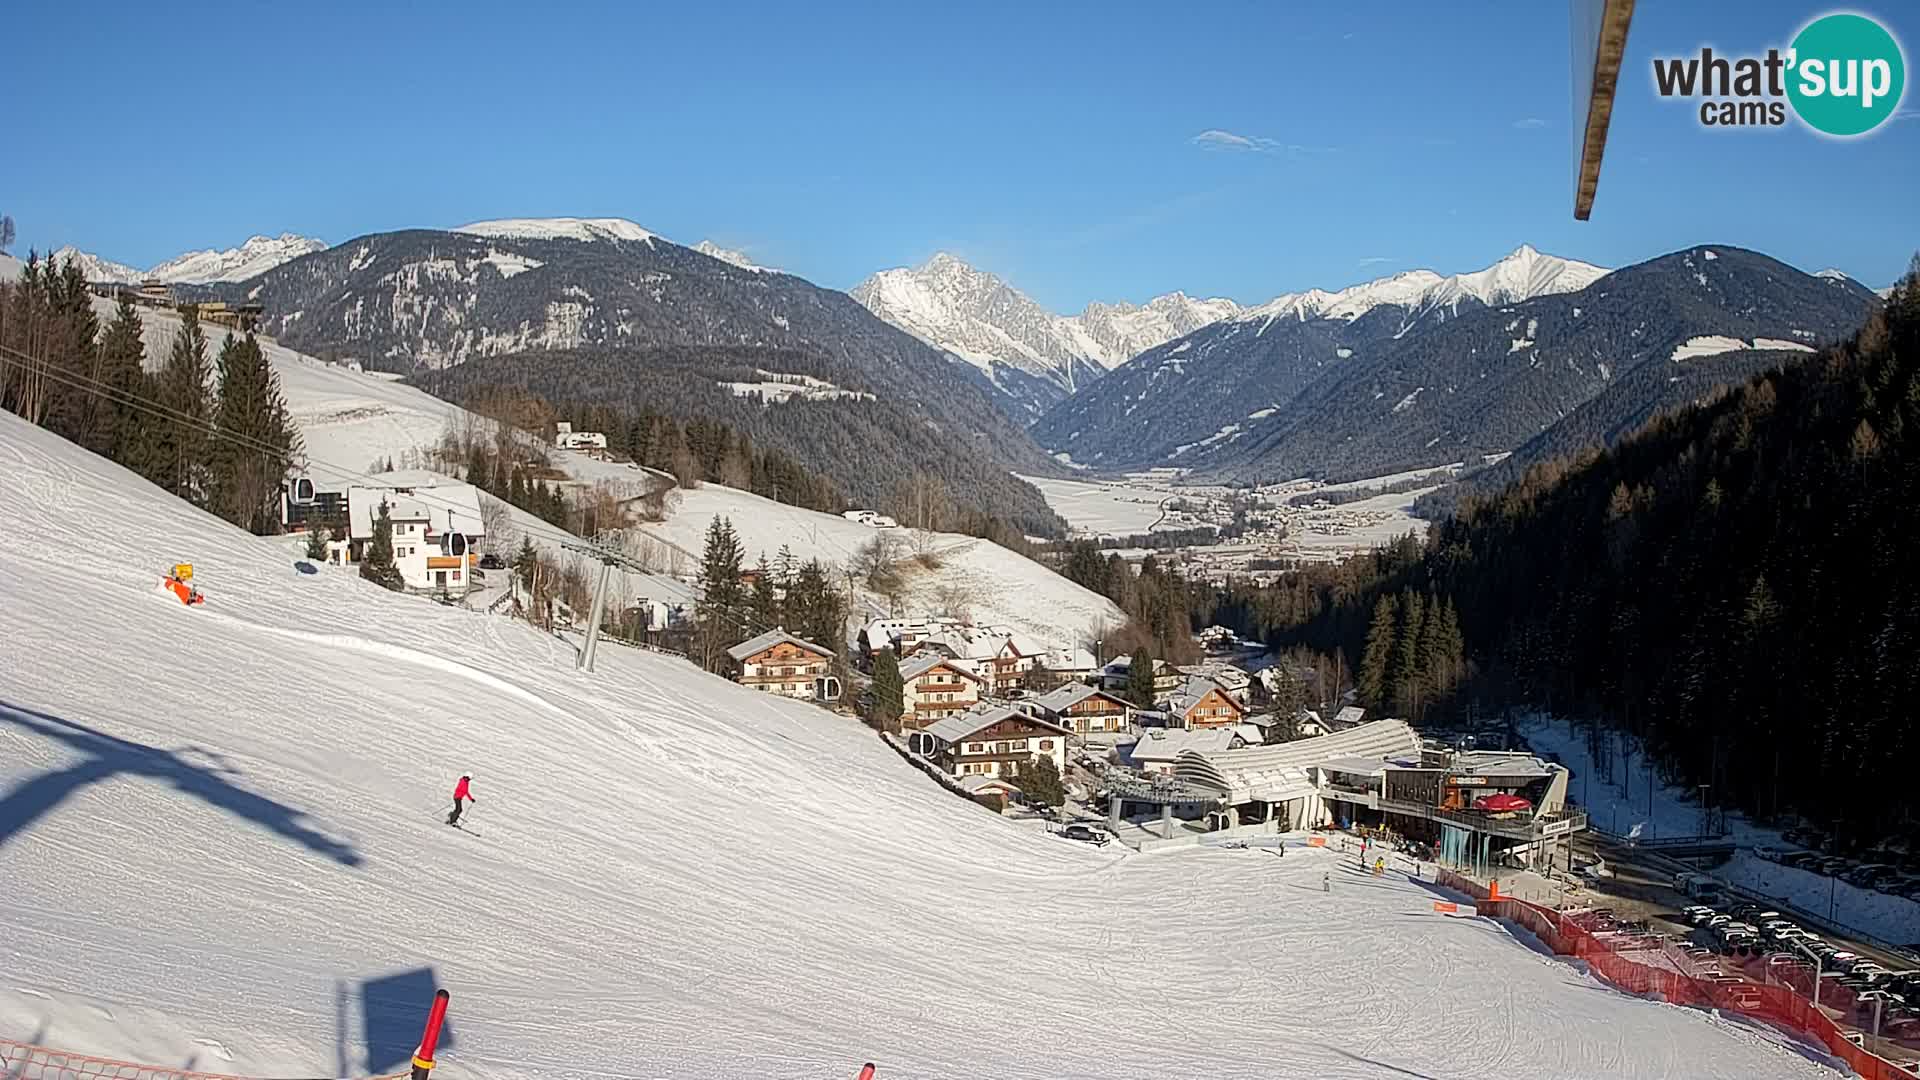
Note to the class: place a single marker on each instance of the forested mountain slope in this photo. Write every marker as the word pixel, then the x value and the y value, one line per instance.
pixel 1734 583
pixel 818 411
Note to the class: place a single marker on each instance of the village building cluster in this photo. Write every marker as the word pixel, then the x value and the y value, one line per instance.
pixel 981 705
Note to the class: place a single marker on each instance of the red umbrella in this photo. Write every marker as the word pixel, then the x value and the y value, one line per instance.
pixel 1501 804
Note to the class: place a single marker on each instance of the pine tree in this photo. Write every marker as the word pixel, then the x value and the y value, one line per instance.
pixel 1039 780
pixel 479 466
pixel 816 610
pixel 1427 663
pixel 1406 654
pixel 524 563
pixel 763 605
pixel 887 703
pixel 316 539
pixel 180 444
pixel 1140 679
pixel 1449 648
pixel 123 368
pixel 721 610
pixel 77 413
pixel 1376 675
pixel 378 566
pixel 257 440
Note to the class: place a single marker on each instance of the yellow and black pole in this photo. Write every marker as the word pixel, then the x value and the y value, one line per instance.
pixel 423 1057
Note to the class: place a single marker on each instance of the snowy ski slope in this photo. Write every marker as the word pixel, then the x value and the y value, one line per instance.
pixel 220 845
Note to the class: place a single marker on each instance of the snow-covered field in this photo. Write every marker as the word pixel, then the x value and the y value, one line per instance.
pixel 1101 509
pixel 220 837
pixel 1112 509
pixel 1000 586
pixel 1677 813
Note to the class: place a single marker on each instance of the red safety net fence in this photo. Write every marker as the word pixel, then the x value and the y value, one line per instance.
pixel 1757 987
pixel 22 1061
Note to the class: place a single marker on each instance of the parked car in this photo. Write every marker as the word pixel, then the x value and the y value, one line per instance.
pixel 1085 833
pixel 1695 914
pixel 1802 860
pixel 1771 854
pixel 490 561
pixel 1867 875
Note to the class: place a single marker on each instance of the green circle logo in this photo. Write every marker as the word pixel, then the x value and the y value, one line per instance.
pixel 1847 75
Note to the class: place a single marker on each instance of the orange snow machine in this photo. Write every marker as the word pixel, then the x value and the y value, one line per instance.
pixel 180 583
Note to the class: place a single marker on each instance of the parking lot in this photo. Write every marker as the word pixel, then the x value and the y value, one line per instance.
pixel 1638 906
pixel 1748 942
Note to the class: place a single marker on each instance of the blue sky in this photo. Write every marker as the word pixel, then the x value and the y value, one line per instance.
pixel 1053 144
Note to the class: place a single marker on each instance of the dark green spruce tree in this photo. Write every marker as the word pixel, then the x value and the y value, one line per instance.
pixel 721 611
pixel 123 358
pixel 1140 679
pixel 377 565
pixel 887 701
pixel 256 440
pixel 180 444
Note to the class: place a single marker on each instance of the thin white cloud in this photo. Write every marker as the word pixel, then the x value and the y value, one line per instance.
pixel 1907 114
pixel 1373 260
pixel 1529 123
pixel 1216 139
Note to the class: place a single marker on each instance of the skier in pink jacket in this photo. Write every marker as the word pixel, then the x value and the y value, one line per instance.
pixel 462 791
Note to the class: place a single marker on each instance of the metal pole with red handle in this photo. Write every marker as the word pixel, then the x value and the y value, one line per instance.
pixel 423 1057
pixel 866 1071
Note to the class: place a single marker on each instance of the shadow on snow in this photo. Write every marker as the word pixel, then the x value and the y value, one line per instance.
pixel 108 756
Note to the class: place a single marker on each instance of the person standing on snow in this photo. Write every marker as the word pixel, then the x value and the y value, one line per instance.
pixel 461 791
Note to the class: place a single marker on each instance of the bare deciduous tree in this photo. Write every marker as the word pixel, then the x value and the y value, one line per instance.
pixel 954 599
pixel 496 519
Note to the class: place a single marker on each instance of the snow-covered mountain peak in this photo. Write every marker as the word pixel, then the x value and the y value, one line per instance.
pixel 95 267
pixel 1832 272
pixel 730 256
pixel 1522 274
pixel 258 255
pixel 559 228
pixel 978 317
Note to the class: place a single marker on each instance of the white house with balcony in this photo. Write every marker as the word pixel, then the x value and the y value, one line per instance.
pixel 437 529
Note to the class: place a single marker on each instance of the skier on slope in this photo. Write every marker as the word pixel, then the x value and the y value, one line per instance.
pixel 461 791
